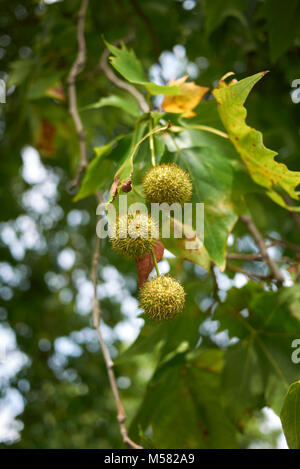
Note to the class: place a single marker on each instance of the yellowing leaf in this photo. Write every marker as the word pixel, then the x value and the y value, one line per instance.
pixel 262 166
pixel 188 97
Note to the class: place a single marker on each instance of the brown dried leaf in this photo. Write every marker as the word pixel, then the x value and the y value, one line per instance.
pixel 145 264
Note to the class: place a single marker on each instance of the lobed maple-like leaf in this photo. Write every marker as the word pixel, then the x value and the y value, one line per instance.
pixel 260 161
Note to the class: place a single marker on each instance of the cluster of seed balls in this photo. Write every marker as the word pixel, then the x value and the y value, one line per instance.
pixel 134 236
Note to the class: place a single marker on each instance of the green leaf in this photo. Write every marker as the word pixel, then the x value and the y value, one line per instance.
pixel 267 172
pixel 125 104
pixel 185 394
pixel 290 416
pixel 259 367
pixel 126 63
pixel 181 247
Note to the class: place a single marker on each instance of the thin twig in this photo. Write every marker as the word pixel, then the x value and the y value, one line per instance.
pixel 151 141
pixel 263 249
pixel 96 312
pixel 103 65
pixel 76 68
pixel 255 257
pixel 152 132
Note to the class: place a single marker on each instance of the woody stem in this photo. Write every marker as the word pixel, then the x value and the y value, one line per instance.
pixel 155 263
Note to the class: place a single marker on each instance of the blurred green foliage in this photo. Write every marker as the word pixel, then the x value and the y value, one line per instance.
pixel 193 382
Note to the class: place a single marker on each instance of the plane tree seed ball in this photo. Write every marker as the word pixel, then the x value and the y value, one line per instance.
pixel 162 298
pixel 135 235
pixel 167 183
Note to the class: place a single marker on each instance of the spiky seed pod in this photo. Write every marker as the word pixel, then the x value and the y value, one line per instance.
pixel 167 183
pixel 162 298
pixel 135 235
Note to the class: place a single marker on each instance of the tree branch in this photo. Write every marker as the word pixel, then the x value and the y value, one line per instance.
pixel 251 275
pixel 76 68
pixel 121 416
pixel 262 247
pixel 103 65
